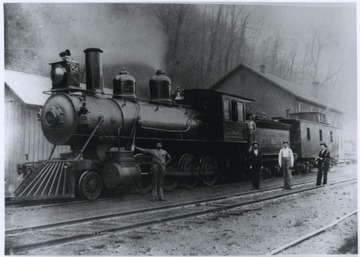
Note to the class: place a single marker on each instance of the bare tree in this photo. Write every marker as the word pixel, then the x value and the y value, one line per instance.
pixel 291 62
pixel 315 48
pixel 235 13
pixel 180 17
pixel 265 49
pixel 203 43
pixel 214 40
pixel 242 38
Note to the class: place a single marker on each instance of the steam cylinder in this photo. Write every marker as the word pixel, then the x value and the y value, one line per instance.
pixel 120 169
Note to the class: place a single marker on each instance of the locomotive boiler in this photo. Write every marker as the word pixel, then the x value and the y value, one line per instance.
pixel 203 130
pixel 94 124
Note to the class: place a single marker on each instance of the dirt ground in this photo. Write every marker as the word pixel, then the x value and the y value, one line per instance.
pixel 257 232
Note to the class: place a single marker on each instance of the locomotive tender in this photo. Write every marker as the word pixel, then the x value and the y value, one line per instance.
pixel 203 130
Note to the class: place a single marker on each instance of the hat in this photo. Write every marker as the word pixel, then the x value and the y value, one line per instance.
pixel 285 142
pixel 324 144
pixel 256 143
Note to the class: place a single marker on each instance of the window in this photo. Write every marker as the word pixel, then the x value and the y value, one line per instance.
pixel 226 110
pixel 320 135
pixel 299 107
pixel 308 134
pixel 331 136
pixel 240 108
pixel 234 111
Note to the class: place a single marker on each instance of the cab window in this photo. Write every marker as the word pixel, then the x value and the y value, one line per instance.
pixel 240 107
pixel 226 110
pixel 233 111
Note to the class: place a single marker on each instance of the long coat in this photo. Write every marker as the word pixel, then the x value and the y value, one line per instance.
pixel 255 161
pixel 325 160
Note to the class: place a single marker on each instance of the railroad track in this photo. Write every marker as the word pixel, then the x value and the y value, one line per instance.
pixel 24 239
pixel 311 234
pixel 15 203
pixel 20 203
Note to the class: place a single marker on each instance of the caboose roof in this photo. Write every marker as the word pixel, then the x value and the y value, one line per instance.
pixel 295 90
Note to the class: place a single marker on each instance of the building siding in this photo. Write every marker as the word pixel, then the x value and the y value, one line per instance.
pixel 24 141
pixel 269 97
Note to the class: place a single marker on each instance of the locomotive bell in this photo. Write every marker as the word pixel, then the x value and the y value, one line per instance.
pixel 124 84
pixel 65 73
pixel 160 87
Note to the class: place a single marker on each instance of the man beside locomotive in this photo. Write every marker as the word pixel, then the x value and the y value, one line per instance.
pixel 323 160
pixel 160 158
pixel 286 161
pixel 255 164
pixel 251 129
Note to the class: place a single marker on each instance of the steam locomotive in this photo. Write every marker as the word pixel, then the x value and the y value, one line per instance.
pixel 203 130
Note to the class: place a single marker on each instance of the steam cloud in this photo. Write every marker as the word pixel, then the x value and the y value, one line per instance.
pixel 125 34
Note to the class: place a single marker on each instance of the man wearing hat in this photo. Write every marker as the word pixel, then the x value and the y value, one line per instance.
pixel 323 160
pixel 255 164
pixel 286 161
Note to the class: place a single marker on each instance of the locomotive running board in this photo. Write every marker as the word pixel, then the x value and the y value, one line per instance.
pixel 51 179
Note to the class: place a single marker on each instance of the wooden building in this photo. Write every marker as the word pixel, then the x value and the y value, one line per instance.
pixel 24 141
pixel 275 96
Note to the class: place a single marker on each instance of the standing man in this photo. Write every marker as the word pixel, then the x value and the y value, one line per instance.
pixel 160 158
pixel 323 164
pixel 255 164
pixel 250 128
pixel 286 161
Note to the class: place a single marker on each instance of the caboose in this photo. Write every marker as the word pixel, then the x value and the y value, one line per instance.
pixel 203 130
pixel 308 131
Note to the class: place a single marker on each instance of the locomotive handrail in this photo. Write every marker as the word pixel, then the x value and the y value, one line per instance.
pixel 101 119
pixel 188 124
pixel 136 118
pixel 49 92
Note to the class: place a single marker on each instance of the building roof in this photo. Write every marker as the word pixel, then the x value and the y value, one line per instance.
pixel 29 87
pixel 203 91
pixel 294 89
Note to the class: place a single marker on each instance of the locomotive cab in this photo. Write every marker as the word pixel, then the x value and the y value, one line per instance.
pixel 225 113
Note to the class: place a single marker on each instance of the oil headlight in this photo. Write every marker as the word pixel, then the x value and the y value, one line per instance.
pixel 58 73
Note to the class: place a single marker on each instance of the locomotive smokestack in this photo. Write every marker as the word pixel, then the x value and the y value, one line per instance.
pixel 94 74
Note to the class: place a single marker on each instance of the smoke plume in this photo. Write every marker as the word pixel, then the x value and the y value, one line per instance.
pixel 36 32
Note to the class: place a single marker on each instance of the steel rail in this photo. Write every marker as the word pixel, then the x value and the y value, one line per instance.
pixel 145 210
pixel 155 221
pixel 65 201
pixel 312 234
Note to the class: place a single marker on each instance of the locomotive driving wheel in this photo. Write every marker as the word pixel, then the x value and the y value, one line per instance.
pixel 145 183
pixel 189 164
pixel 209 170
pixel 90 185
pixel 171 182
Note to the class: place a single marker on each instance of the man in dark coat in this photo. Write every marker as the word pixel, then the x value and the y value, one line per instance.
pixel 255 164
pixel 323 160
